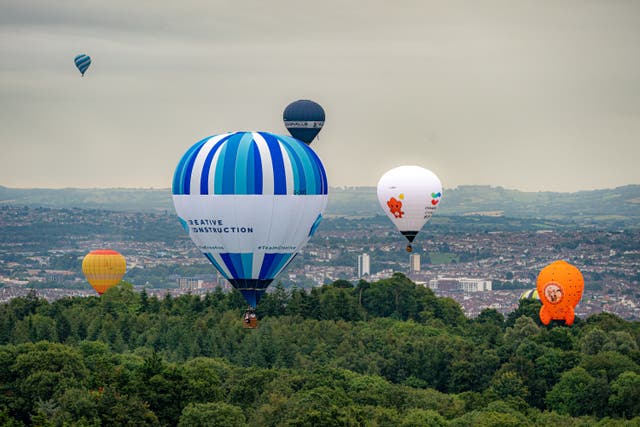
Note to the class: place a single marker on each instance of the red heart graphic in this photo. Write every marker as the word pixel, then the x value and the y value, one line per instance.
pixel 434 202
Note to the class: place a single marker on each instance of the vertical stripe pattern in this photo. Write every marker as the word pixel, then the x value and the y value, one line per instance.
pixel 241 265
pixel 250 163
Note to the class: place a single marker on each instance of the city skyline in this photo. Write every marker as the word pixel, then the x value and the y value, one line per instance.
pixel 527 96
pixel 478 269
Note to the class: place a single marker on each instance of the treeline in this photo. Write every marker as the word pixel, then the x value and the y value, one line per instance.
pixel 381 353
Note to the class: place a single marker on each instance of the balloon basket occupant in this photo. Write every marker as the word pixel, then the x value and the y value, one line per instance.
pixel 250 320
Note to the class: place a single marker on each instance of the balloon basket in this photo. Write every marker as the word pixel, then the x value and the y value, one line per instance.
pixel 409 248
pixel 250 320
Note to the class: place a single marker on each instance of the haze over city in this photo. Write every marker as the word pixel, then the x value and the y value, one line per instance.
pixel 527 95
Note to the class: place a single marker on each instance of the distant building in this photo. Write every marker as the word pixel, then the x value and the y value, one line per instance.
pixel 463 284
pixel 189 283
pixel 364 265
pixel 222 283
pixel 414 262
pixel 475 285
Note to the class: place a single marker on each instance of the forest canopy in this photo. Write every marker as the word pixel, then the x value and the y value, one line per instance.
pixel 382 353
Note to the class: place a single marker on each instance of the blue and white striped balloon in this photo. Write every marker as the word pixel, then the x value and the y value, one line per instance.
pixel 250 201
pixel 82 62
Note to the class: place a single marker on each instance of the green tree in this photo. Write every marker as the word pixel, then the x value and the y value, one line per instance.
pixel 606 321
pixel 395 297
pixel 370 390
pixel 475 372
pixel 41 419
pixel 7 421
pixel 561 338
pixel 361 288
pixel 548 367
pixel 163 392
pixel 318 407
pixel 526 307
pixel 299 303
pixel 507 385
pixel 202 380
pixel 423 418
pixel 577 393
pixel 379 416
pixel 339 303
pixel 144 301
pixel 624 343
pixel 118 409
pixel 610 363
pixel 450 312
pixel 593 341
pixel 212 414
pixel 625 395
pixel 44 371
pixel 488 419
pixel 78 406
pixel 274 303
pixel 523 329
pixel 39 328
pixel 491 316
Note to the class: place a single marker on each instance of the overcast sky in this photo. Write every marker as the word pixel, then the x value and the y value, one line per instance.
pixel 530 95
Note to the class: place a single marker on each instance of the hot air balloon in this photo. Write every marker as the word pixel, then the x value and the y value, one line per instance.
pixel 303 119
pixel 250 201
pixel 560 286
pixel 409 195
pixel 530 294
pixel 82 62
pixel 103 269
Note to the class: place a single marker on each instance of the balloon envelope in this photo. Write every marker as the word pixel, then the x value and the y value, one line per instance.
pixel 250 201
pixel 560 286
pixel 303 119
pixel 530 294
pixel 82 61
pixel 409 195
pixel 103 269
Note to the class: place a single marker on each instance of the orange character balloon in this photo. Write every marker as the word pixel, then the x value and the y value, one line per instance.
pixel 560 287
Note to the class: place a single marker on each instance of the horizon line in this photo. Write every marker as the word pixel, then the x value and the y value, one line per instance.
pixel 340 187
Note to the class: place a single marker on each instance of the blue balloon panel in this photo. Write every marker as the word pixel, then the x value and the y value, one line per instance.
pixel 82 61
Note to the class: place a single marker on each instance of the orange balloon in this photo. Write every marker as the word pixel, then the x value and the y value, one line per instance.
pixel 560 286
pixel 103 269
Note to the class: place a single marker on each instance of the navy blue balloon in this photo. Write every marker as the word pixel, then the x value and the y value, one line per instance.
pixel 82 62
pixel 303 119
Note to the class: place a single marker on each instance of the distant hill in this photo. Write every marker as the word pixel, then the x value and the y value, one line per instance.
pixel 117 199
pixel 618 204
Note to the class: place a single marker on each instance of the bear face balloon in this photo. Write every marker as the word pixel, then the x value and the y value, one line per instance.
pixel 560 286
